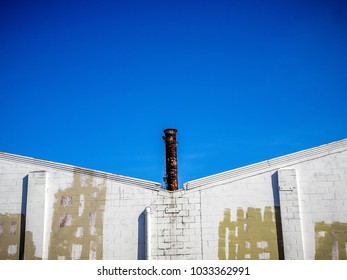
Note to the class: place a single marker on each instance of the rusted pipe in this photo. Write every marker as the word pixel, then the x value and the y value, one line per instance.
pixel 171 159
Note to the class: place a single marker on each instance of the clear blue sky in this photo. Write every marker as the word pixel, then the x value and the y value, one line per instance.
pixel 94 83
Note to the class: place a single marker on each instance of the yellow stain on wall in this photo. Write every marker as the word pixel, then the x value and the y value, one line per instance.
pixel 250 236
pixel 331 241
pixel 9 236
pixel 77 223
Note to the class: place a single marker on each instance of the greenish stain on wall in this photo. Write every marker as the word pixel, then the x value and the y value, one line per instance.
pixel 9 236
pixel 331 241
pixel 249 236
pixel 77 222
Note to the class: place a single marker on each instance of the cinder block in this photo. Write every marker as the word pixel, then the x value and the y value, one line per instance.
pixel 164 245
pixel 182 225
pixel 182 238
pixel 194 225
pixel 182 200
pixel 187 206
pixel 182 257
pixel 163 220
pixel 177 232
pixel 183 251
pixel 194 213
pixel 194 200
pixel 191 232
pixel 177 245
pixel 188 219
pixel 197 206
pixel 183 213
pixel 340 184
pixel 292 209
pixel 169 201
pixel 328 196
pixel 161 227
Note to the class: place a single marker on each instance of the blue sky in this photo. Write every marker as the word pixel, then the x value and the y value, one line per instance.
pixel 94 83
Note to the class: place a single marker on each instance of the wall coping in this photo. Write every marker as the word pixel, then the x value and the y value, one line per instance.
pixel 268 165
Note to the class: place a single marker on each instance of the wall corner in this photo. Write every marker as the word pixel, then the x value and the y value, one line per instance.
pixel 290 215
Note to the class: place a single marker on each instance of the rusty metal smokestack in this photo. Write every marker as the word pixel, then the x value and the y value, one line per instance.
pixel 171 177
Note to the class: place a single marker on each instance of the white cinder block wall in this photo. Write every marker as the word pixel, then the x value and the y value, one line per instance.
pixel 322 185
pixel 292 207
pixel 310 189
pixel 70 212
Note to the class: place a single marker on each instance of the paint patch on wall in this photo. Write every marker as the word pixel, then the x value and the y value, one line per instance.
pixel 30 248
pixel 331 241
pixel 9 236
pixel 249 236
pixel 77 222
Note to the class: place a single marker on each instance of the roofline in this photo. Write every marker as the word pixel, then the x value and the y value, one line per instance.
pixel 70 168
pixel 268 165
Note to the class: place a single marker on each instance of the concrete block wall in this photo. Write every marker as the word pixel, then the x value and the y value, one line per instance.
pixel 301 197
pixel 239 219
pixel 292 207
pixel 13 187
pixel 233 220
pixel 290 214
pixel 124 220
pixel 35 222
pixel 55 211
pixel 176 226
pixel 322 191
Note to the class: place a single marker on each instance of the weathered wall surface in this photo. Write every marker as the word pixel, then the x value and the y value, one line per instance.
pixel 124 222
pixel 177 226
pixel 53 211
pixel 13 187
pixel 322 185
pixel 9 236
pixel 293 207
pixel 240 219
pixel 222 222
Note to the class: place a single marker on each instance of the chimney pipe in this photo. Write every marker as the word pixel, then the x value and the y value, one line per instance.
pixel 171 159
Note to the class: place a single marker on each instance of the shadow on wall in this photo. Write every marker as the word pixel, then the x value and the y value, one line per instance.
pixel 276 195
pixel 251 235
pixel 141 246
pixel 23 216
pixel 13 234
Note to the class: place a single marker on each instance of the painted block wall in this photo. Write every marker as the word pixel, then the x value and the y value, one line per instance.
pixel 322 185
pixel 65 214
pixel 239 219
pixel 307 198
pixel 176 226
pixel 210 222
pixel 13 186
pixel 292 207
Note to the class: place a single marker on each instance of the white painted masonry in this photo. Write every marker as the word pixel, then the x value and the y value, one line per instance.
pixel 292 207
pixel 290 214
